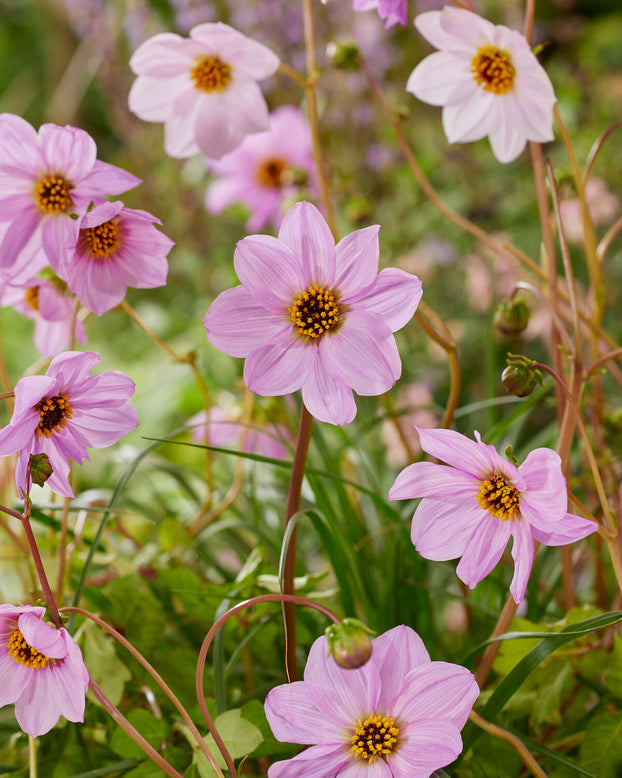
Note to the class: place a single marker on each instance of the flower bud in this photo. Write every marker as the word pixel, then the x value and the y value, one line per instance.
pixel 349 643
pixel 511 316
pixel 40 468
pixel 520 377
pixel 343 54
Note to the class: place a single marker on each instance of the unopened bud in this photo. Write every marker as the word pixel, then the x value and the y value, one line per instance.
pixel 511 316
pixel 349 643
pixel 344 54
pixel 520 377
pixel 40 468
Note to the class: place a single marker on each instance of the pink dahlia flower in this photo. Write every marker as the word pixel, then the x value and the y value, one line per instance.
pixel 264 170
pixel 50 309
pixel 111 248
pixel 204 88
pixel 392 11
pixel 487 79
pixel 44 178
pixel 399 715
pixel 472 508
pixel 41 668
pixel 64 411
pixel 314 316
pixel 225 430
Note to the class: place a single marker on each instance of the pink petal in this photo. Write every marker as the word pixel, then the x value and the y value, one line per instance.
pixel 99 284
pixel 315 762
pixel 455 449
pixel 545 484
pixel 237 324
pixel 295 718
pixel 279 367
pixel 325 396
pixel 246 107
pixel 393 297
pixel 152 99
pixel 395 653
pixel 469 119
pixel 250 56
pixel 305 231
pixel 269 270
pixel 67 149
pixel 162 56
pixel 102 428
pixel 358 768
pixel 465 29
pixel 484 549
pixel 506 135
pixel 434 79
pixel 357 256
pixel 215 132
pixel 425 746
pixel 72 367
pixel 43 636
pixel 568 529
pixel 69 682
pixel 522 553
pixel 38 708
pixel 425 479
pixel 108 180
pixel 15 678
pixel 442 531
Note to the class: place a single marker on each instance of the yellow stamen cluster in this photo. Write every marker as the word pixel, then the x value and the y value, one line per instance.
pixel 499 498
pixel 52 194
pixel 492 69
pixel 271 172
pixel 211 74
pixel 25 654
pixel 376 736
pixel 53 414
pixel 103 240
pixel 31 295
pixel 314 312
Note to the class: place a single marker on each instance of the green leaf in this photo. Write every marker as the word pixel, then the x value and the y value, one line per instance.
pixel 240 737
pixel 107 670
pixel 613 676
pixel 153 730
pixel 600 751
pixel 548 701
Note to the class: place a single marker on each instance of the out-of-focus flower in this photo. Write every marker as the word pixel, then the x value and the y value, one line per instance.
pixel 44 178
pixel 265 169
pixel 204 88
pixel 414 406
pixel 42 670
pixel 472 508
pixel 64 411
pixel 314 316
pixel 487 79
pixel 399 715
pixel 225 429
pixel 393 11
pixel 602 205
pixel 50 309
pixel 111 248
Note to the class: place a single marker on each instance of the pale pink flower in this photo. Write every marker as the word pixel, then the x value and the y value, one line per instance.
pixel 50 309
pixel 314 316
pixel 65 411
pixel 413 406
pixel 264 170
pixel 410 708
pixel 225 429
pixel 111 248
pixel 204 88
pixel 393 11
pixel 472 508
pixel 44 178
pixel 42 670
pixel 487 79
pixel 601 203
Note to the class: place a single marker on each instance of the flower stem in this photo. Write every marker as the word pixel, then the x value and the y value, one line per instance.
pixel 286 598
pixel 516 743
pixel 32 756
pixel 293 505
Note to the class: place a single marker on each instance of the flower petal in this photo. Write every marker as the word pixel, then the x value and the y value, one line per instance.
pixel 425 746
pixel 279 367
pixel 568 529
pixel 305 231
pixel 484 549
pixel 395 653
pixel 269 270
pixel 442 530
pixel 522 553
pixel 325 396
pixel 294 717
pixel 315 762
pixel 426 479
pixel 456 449
pixel 394 297
pixel 15 678
pixel 357 257
pixel 42 636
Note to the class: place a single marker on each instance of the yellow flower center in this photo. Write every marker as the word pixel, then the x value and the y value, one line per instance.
pixel 314 312
pixel 376 736
pixel 31 296
pixel 211 74
pixel 493 70
pixel 52 194
pixel 53 414
pixel 499 498
pixel 24 654
pixel 271 172
pixel 103 240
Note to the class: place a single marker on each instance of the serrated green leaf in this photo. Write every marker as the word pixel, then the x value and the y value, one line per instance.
pixel 600 751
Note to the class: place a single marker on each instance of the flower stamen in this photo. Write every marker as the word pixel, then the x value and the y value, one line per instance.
pixel 52 194
pixel 53 414
pixel 374 737
pixel 103 240
pixel 272 172
pixel 500 498
pixel 314 312
pixel 25 654
pixel 31 296
pixel 492 69
pixel 211 74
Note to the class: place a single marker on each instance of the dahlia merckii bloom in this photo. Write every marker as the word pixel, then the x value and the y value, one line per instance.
pixel 204 88
pixel 263 171
pixel 392 11
pixel 398 715
pixel 472 508
pixel 314 316
pixel 46 177
pixel 42 670
pixel 63 412
pixel 487 79
pixel 111 248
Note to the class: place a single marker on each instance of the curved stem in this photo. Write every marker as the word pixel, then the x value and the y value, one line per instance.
pixel 205 648
pixel 156 677
pixel 603 360
pixel 605 243
pixel 517 744
pixel 131 731
pixel 595 150
pixel 288 71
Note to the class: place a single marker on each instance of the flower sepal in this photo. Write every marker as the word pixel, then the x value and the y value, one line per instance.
pixel 349 643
